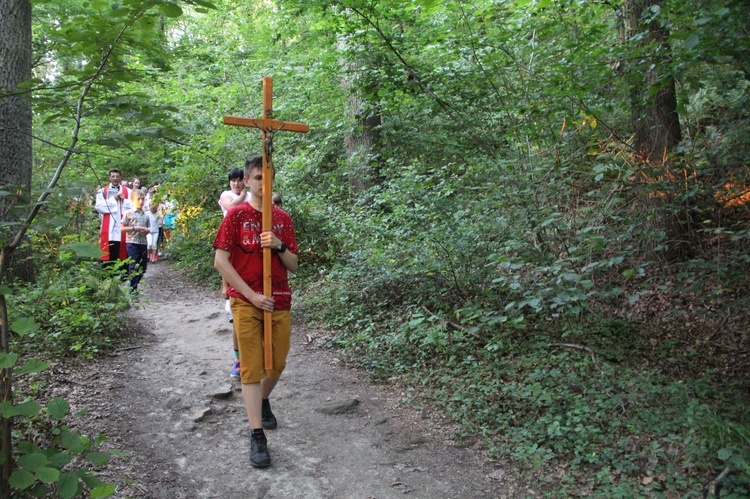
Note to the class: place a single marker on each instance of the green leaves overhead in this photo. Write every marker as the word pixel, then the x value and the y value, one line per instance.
pixel 170 9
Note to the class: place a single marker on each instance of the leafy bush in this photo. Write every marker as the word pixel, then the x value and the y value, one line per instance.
pixel 618 429
pixel 73 308
pixel 61 468
pixel 191 243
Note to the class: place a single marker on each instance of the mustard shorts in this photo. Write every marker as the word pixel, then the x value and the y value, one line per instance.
pixel 248 325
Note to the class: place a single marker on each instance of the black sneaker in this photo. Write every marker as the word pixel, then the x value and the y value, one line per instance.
pixel 259 456
pixel 268 419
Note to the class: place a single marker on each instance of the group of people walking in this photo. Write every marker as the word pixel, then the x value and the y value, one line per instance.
pixel 134 225
pixel 239 245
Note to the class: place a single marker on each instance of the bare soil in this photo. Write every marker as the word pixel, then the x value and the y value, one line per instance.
pixel 168 401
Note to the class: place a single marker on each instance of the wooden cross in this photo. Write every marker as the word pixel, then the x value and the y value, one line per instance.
pixel 268 127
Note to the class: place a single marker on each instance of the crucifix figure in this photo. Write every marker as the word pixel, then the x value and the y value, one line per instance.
pixel 268 127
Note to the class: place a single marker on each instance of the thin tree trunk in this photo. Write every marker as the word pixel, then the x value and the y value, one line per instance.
pixel 15 176
pixel 362 140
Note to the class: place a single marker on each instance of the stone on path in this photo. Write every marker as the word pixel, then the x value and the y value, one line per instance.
pixel 340 407
pixel 200 415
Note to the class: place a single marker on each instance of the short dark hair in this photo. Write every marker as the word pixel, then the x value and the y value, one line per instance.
pixel 276 198
pixel 236 173
pixel 114 170
pixel 251 163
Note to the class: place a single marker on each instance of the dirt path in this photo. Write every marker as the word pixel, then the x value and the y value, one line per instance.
pixel 169 401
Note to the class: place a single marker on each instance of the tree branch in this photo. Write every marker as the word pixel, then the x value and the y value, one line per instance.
pixel 577 347
pixel 714 487
pixel 447 108
pixel 69 151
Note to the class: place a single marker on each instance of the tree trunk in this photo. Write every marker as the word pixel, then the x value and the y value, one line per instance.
pixel 362 139
pixel 656 124
pixel 15 127
pixel 655 121
pixel 15 175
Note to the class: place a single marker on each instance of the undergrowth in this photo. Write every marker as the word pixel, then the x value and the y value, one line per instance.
pixel 73 311
pixel 594 418
pixel 191 251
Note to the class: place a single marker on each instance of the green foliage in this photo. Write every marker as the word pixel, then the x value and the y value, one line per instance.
pixel 43 470
pixel 193 250
pixel 74 307
pixel 616 430
pixel 504 211
pixel 72 310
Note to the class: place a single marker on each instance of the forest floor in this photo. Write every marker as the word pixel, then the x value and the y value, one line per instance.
pixel 166 399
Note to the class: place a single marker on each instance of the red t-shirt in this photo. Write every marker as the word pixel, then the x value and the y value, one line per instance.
pixel 239 234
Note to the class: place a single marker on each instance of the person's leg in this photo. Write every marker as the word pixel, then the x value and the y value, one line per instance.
pixel 268 419
pixel 235 371
pixel 267 386
pixel 160 242
pixel 114 251
pixel 133 266
pixel 251 397
pixel 137 253
pixel 236 365
pixel 259 455
pixel 248 323
pixel 142 260
pixel 281 343
pixel 150 243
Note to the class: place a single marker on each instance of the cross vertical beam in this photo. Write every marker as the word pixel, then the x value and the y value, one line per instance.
pixel 268 127
pixel 267 221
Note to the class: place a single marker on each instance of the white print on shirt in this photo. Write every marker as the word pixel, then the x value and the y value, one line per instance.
pixel 250 232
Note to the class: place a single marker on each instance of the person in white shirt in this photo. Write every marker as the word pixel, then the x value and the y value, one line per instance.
pixel 112 202
pixel 153 233
pixel 236 195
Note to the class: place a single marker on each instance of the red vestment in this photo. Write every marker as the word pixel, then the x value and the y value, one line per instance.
pixel 104 230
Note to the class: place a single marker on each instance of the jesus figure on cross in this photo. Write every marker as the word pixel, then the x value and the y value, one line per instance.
pixel 255 247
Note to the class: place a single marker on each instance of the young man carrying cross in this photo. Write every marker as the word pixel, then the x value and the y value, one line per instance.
pixel 239 259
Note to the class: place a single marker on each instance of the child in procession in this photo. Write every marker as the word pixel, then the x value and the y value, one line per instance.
pixel 152 238
pixel 136 225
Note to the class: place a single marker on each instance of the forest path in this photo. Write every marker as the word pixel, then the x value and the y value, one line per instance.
pixel 169 401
